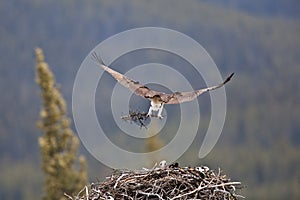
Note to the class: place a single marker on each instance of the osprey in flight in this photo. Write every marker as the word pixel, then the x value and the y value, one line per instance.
pixel 158 99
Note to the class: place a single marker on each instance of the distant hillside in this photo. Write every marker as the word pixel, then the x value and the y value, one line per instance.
pixel 267 8
pixel 261 133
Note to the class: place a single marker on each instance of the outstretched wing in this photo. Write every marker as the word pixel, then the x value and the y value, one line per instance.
pixel 132 85
pixel 180 97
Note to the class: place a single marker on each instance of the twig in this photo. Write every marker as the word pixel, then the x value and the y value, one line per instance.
pixel 87 193
pixel 191 192
pixel 68 196
pixel 115 186
pixel 137 117
pixel 150 194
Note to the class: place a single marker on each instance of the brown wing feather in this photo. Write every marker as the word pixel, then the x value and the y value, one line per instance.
pixel 180 97
pixel 132 85
pixel 141 90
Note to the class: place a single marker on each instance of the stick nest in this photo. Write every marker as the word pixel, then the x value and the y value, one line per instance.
pixel 163 182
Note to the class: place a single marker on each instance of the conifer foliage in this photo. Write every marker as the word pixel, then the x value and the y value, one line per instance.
pixel 58 145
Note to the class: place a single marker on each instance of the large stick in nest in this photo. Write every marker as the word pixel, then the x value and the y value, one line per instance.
pixel 164 182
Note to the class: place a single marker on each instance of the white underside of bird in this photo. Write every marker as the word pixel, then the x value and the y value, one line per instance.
pixel 156 107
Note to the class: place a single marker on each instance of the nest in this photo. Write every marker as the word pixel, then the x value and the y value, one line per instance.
pixel 164 182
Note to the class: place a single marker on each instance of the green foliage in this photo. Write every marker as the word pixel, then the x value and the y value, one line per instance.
pixel 20 180
pixel 263 99
pixel 58 145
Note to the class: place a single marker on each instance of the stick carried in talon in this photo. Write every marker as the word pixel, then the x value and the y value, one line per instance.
pixel 158 99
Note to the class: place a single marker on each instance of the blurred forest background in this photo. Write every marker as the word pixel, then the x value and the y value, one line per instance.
pixel 256 39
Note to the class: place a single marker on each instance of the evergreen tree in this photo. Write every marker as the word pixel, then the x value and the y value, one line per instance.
pixel 58 145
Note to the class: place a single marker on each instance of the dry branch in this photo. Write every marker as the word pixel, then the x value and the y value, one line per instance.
pixel 136 117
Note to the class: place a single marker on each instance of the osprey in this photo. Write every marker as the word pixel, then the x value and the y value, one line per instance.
pixel 158 99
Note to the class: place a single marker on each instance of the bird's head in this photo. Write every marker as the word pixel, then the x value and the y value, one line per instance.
pixel 156 99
